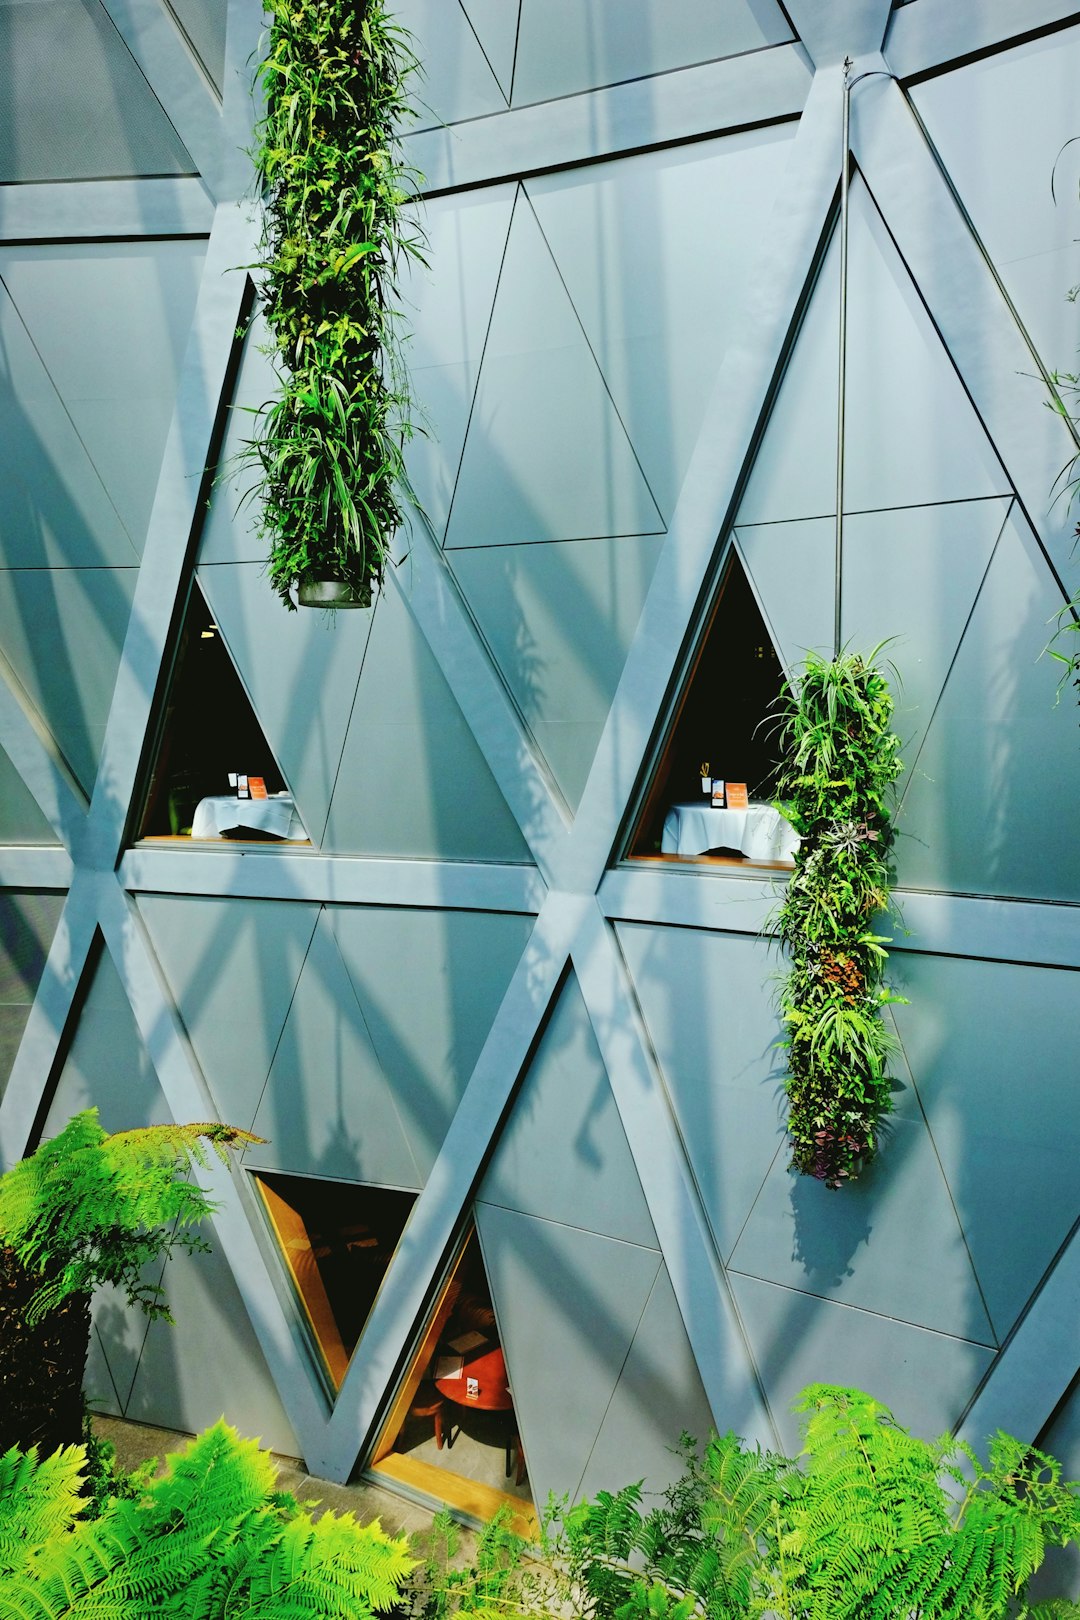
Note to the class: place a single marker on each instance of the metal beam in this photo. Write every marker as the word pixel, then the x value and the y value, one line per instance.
pixel 714 98
pixel 104 210
pixel 931 36
pixel 281 873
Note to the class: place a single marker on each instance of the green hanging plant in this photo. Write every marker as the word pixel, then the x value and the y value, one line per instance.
pixel 836 788
pixel 329 448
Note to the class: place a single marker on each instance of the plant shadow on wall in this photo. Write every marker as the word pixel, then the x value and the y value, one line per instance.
pixel 840 763
pixel 329 448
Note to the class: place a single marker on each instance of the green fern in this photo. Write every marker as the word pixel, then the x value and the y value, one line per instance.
pixel 870 1523
pixel 209 1540
pixel 88 1208
pixel 37 1501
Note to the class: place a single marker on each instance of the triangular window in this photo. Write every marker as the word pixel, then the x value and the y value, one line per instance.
pixel 214 775
pixel 337 1239
pixel 452 1433
pixel 715 774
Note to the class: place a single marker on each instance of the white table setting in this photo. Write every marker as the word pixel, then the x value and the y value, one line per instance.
pixel 759 832
pixel 224 813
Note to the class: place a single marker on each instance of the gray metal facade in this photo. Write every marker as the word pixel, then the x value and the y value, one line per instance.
pixel 626 349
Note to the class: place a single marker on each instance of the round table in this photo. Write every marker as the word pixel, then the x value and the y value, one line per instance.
pixel 488 1370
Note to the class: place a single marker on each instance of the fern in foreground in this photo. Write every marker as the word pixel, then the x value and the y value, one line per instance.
pixel 209 1540
pixel 870 1523
pixel 88 1208
pixel 84 1210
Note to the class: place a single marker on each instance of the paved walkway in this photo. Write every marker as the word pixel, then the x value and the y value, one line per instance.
pixel 135 1442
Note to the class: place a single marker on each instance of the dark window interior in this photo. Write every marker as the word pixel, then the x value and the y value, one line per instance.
pixel 338 1240
pixel 209 729
pixel 726 715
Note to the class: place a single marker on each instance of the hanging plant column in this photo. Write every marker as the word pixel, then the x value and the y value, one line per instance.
pixel 840 764
pixel 328 448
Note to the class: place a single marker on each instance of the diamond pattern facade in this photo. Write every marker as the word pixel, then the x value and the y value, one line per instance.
pixel 625 349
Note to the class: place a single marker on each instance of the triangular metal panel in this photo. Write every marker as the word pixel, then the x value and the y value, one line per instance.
pixel 661 302
pixel 710 1018
pixel 28 922
pixel 203 23
pixel 57 512
pixel 413 781
pixel 546 456
pixel 568 1304
pixel 232 967
pixel 282 659
pixel 22 820
pixel 107 1066
pixel 892 1244
pixel 559 619
pixel 797 1339
pixel 495 24
pixel 110 323
pixel 563 1154
pixel 1020 102
pixel 76 105
pixel 659 1396
pixel 428 1025
pixel 449 307
pixel 208 1360
pixel 792 569
pixel 456 80
pixel 566 46
pixel 910 578
pixel 972 1033
pixel 327 1109
pixel 62 629
pixel 230 531
pixel 912 436
pixel 98 1387
pixel 1000 744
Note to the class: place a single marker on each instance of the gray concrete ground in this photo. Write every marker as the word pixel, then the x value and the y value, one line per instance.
pixel 135 1442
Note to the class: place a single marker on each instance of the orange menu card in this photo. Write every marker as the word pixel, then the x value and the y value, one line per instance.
pixel 257 786
pixel 737 796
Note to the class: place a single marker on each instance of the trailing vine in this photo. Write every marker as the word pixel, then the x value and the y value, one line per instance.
pixel 836 787
pixel 329 447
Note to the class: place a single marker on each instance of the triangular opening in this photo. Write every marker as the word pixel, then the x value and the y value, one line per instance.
pixel 709 797
pixel 214 775
pixel 337 1240
pixel 452 1433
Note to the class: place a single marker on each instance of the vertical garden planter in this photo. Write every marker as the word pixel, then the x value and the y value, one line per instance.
pixel 328 448
pixel 840 765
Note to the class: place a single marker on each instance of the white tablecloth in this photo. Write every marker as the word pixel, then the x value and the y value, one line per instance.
pixel 226 812
pixel 759 832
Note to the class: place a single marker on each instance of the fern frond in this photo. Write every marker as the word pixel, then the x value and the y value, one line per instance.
pixel 38 1500
pixel 331 1567
pixel 87 1208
